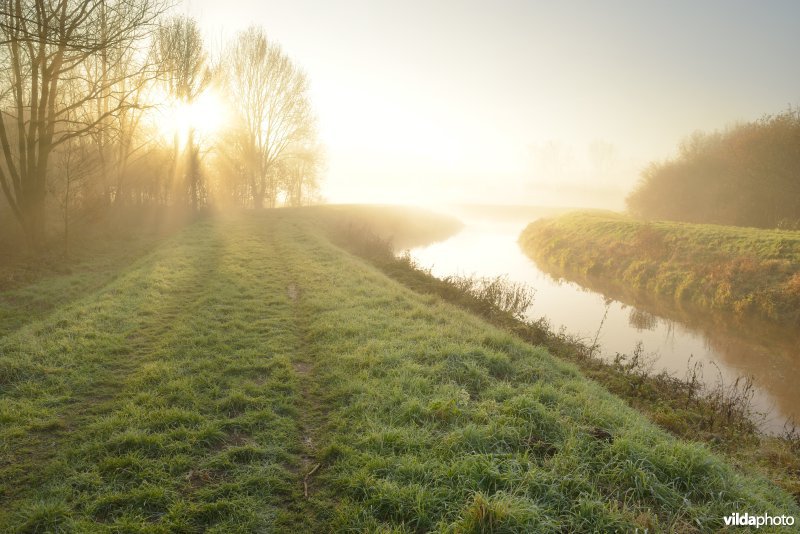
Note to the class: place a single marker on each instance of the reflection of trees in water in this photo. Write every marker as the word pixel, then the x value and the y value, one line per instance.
pixel 642 320
pixel 722 330
pixel 669 331
pixel 769 352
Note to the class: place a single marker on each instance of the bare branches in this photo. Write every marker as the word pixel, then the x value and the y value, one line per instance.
pixel 80 76
pixel 45 46
pixel 180 54
pixel 270 95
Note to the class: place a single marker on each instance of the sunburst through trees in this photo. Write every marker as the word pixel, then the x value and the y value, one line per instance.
pixel 110 105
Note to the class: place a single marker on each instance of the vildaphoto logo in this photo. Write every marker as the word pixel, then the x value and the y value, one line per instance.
pixel 763 520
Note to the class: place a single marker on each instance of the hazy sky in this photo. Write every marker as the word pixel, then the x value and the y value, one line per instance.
pixel 509 100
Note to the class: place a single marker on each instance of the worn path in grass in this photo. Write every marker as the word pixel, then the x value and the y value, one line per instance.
pixel 249 376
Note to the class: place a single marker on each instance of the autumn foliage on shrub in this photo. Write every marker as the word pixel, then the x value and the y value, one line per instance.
pixel 747 175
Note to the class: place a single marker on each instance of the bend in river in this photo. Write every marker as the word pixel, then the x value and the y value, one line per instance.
pixel 676 336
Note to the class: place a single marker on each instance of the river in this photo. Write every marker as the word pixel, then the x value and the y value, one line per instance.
pixel 674 338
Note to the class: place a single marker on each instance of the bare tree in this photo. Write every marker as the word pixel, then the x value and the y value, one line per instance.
pixel 44 44
pixel 270 95
pixel 233 163
pixel 300 173
pixel 76 162
pixel 129 74
pixel 181 55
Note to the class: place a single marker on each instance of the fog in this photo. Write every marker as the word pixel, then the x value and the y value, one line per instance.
pixel 522 102
pixel 312 266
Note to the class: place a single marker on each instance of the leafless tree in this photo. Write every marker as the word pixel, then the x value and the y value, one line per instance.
pixel 180 53
pixel 300 173
pixel 233 163
pixel 43 45
pixel 76 161
pixel 270 95
pixel 130 74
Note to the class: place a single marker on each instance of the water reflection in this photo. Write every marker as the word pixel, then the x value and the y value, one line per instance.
pixel 641 320
pixel 740 346
pixel 620 318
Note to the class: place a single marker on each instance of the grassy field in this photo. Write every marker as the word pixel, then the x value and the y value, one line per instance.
pixel 744 271
pixel 247 375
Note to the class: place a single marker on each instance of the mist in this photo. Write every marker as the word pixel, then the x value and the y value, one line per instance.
pixel 459 103
pixel 358 266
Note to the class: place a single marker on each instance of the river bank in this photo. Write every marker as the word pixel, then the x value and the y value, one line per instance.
pixel 721 415
pixel 742 271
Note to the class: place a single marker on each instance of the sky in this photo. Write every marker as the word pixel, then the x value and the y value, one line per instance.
pixel 519 102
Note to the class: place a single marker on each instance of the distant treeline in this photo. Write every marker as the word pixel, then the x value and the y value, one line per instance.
pixel 747 175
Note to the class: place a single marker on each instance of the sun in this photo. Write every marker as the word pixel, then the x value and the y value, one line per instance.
pixel 204 117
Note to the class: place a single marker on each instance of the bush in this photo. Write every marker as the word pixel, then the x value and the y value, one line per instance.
pixel 747 175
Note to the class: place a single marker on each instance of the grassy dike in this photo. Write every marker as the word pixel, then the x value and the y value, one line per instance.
pixel 739 270
pixel 247 375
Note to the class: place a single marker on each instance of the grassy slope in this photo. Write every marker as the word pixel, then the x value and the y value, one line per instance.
pixel 34 286
pixel 200 387
pixel 686 408
pixel 742 270
pixel 405 227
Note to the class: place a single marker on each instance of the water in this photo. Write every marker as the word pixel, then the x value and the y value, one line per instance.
pixel 674 337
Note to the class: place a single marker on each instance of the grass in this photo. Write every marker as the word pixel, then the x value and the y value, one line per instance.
pixel 405 227
pixel 149 401
pixel 744 271
pixel 248 375
pixel 718 414
pixel 33 285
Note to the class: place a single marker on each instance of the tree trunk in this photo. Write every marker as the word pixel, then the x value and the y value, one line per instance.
pixel 194 177
pixel 259 188
pixel 258 200
pixel 36 216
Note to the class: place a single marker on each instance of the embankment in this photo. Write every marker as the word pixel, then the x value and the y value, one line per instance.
pixel 744 271
pixel 247 375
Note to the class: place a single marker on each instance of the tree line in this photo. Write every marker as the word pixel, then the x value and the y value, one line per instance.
pixel 86 87
pixel 746 175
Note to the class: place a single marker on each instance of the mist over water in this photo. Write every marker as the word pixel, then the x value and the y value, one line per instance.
pixel 674 338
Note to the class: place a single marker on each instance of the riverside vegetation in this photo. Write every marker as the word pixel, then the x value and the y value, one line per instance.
pixel 247 374
pixel 743 175
pixel 745 271
pixel 718 414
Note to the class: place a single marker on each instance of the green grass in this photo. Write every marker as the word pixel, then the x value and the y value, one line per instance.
pixel 720 416
pixel 247 359
pixel 744 271
pixel 97 255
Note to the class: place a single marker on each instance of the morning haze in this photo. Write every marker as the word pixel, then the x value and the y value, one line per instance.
pixel 383 266
pixel 439 98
